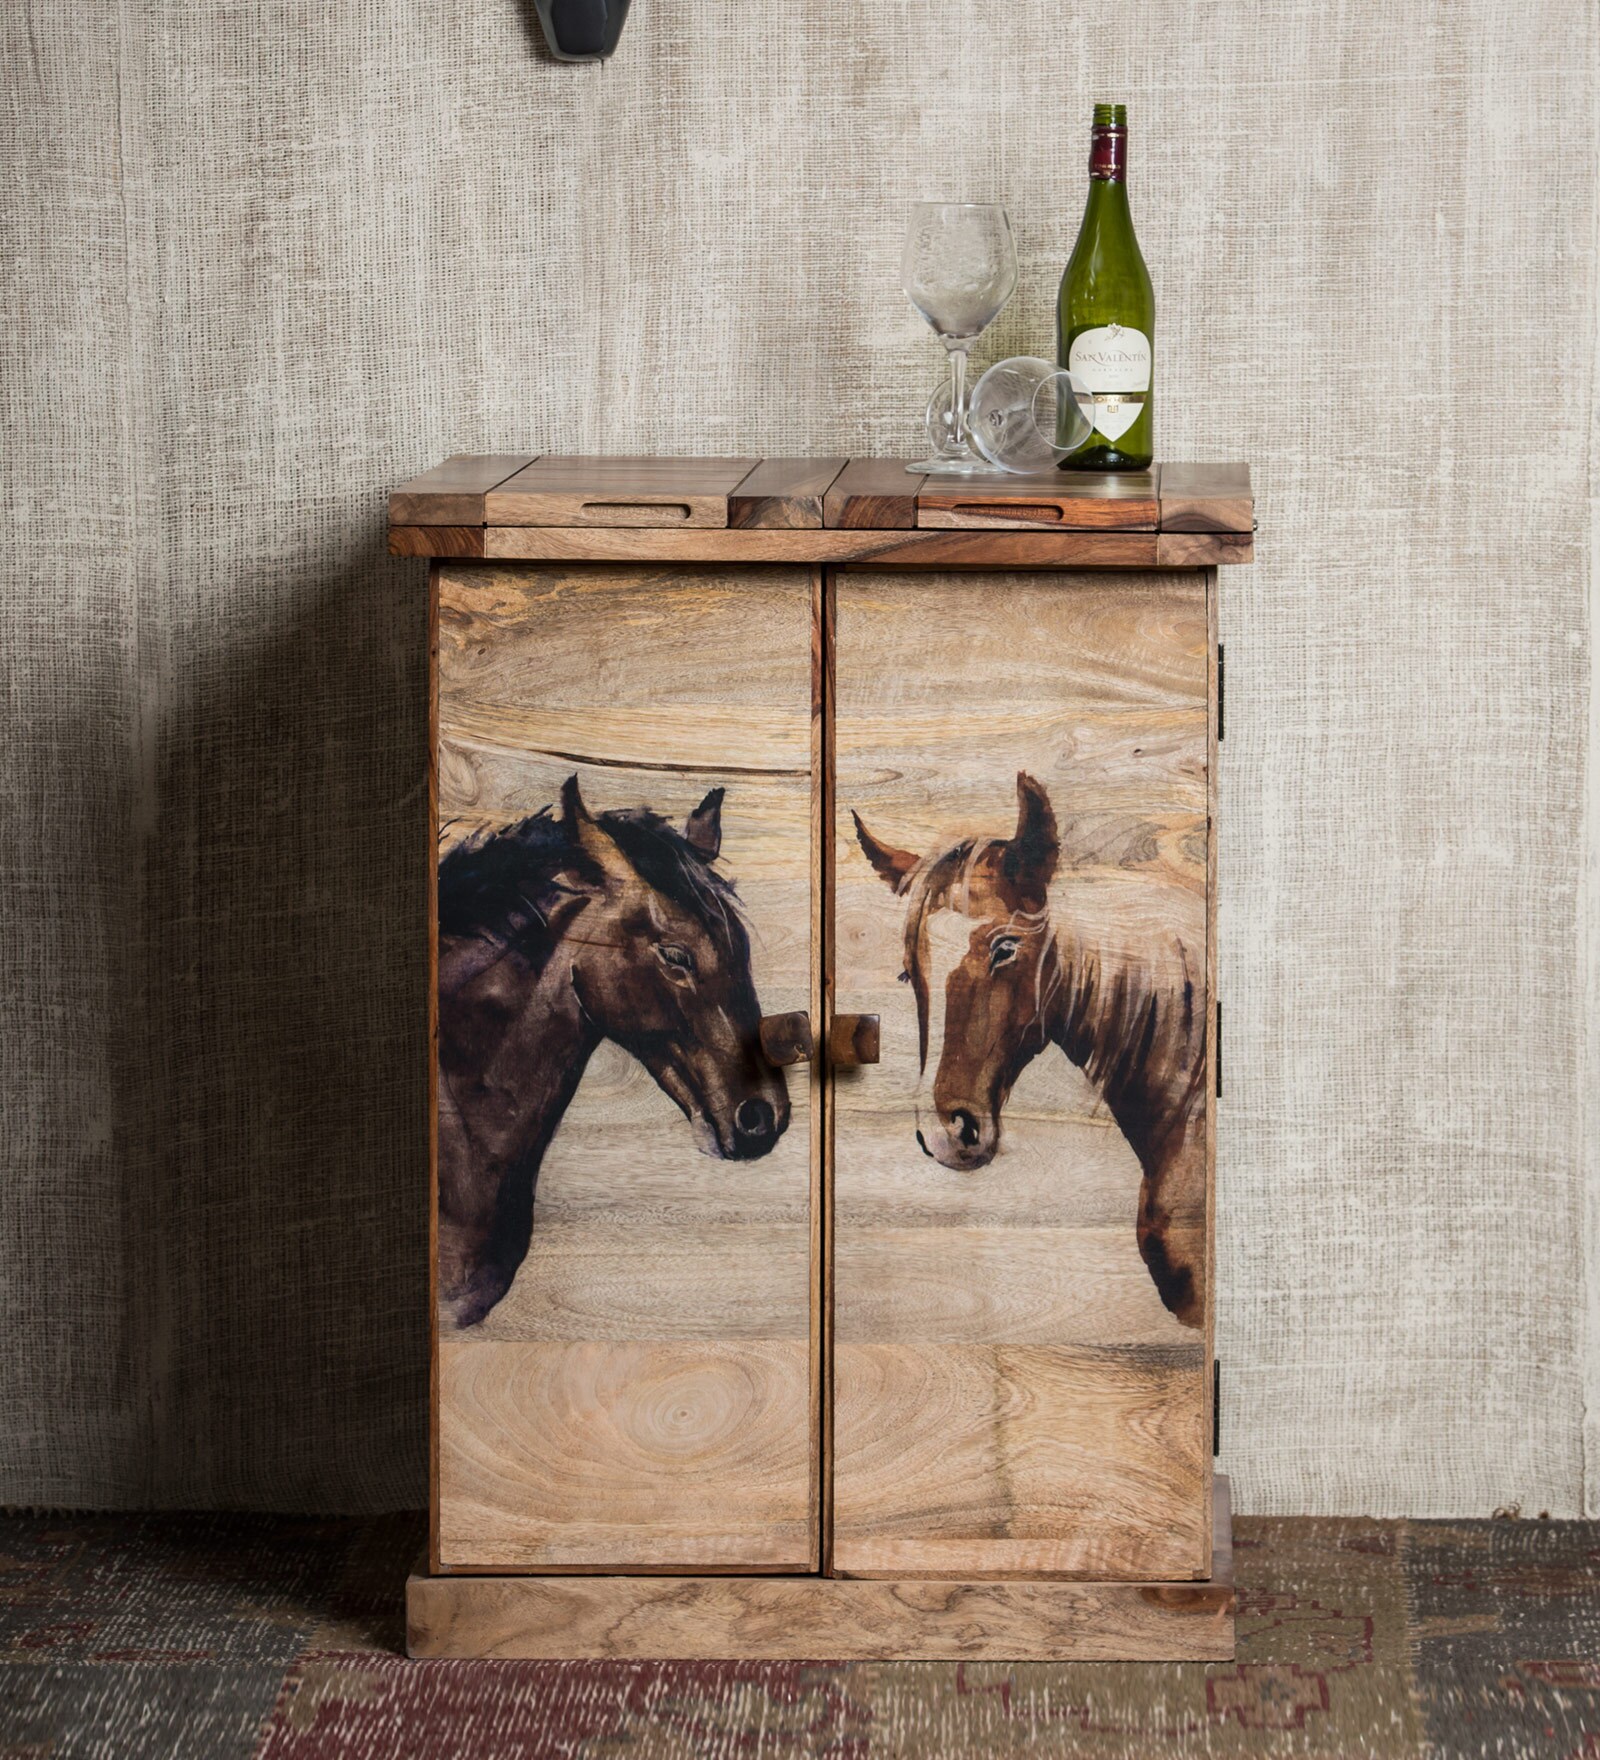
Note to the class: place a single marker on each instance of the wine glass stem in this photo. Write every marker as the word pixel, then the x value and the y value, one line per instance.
pixel 958 394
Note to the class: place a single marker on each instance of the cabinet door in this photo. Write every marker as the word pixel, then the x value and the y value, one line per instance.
pixel 1021 1188
pixel 626 1369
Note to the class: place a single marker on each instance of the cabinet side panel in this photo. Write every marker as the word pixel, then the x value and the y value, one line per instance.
pixel 625 1256
pixel 1021 1369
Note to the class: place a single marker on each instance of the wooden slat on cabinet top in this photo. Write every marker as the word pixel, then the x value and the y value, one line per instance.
pixel 797 509
pixel 619 492
pixel 783 493
pixel 1105 501
pixel 875 494
pixel 452 493
pixel 1206 498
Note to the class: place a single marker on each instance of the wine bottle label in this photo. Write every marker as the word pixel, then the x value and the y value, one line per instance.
pixel 1114 362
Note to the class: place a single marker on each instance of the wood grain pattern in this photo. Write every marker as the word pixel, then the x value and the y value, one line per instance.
pixel 1206 498
pixel 1066 500
pixel 619 492
pixel 872 493
pixel 664 1312
pixel 1093 1203
pixel 660 1455
pixel 1204 549
pixel 436 540
pixel 852 1040
pixel 787 1038
pixel 1011 1393
pixel 1027 1283
pixel 452 493
pixel 783 493
pixel 798 1618
pixel 682 496
pixel 887 548
pixel 956 1459
pixel 648 1271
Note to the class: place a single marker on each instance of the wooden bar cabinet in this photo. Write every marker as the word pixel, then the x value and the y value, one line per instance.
pixel 824 1029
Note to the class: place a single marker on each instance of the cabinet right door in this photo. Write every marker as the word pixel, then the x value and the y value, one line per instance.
pixel 1021 1187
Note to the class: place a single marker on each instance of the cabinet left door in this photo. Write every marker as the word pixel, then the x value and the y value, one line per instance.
pixel 626 1189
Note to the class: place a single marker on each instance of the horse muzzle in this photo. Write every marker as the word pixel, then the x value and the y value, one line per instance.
pixel 755 1125
pixel 756 1128
pixel 960 1138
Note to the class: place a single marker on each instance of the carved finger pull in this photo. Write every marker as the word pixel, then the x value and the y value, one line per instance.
pixel 786 1038
pixel 852 1040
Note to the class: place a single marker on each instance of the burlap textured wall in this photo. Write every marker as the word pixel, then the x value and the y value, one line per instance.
pixel 269 260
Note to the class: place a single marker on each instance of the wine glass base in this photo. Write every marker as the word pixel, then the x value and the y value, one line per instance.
pixel 953 467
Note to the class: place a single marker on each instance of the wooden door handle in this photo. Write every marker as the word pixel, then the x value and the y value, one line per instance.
pixel 786 1038
pixel 853 1039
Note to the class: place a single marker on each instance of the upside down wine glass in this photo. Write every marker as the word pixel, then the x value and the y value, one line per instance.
pixel 958 268
pixel 1024 414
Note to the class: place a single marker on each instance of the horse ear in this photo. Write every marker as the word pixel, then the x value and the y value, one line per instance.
pixel 703 827
pixel 1035 847
pixel 893 866
pixel 583 833
pixel 573 812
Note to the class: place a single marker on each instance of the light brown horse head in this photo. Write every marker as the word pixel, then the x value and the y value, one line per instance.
pixel 660 962
pixel 980 958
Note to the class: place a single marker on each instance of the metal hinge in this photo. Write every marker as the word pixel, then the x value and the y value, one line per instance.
pixel 1216 1405
pixel 1222 686
pixel 1216 1056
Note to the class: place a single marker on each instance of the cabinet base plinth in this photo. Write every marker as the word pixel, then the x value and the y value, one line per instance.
pixel 782 1619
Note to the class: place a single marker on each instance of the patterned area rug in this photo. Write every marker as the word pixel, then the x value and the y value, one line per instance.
pixel 219 1637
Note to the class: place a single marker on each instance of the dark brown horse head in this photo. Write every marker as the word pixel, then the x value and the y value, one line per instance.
pixel 660 962
pixel 980 958
pixel 619 920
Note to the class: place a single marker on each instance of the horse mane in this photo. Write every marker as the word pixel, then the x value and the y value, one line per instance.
pixel 664 858
pixel 928 889
pixel 1132 1024
pixel 501 884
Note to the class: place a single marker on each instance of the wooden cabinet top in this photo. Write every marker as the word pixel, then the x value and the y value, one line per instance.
pixel 513 505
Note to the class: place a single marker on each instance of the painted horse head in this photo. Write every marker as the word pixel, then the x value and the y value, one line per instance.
pixel 981 960
pixel 1118 985
pixel 558 932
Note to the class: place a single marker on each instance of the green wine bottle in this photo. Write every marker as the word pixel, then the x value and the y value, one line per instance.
pixel 1106 313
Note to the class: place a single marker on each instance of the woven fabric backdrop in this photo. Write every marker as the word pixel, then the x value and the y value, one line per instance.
pixel 269 260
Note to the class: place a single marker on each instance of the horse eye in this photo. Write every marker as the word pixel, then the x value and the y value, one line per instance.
pixel 1002 951
pixel 678 958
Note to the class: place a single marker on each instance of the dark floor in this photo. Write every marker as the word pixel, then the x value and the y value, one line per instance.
pixel 235 1637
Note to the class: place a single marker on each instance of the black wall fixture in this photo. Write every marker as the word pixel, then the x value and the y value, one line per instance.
pixel 582 30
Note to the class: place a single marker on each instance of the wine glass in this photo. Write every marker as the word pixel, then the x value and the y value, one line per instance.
pixel 1026 414
pixel 958 268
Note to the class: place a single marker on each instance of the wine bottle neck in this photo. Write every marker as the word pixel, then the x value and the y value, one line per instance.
pixel 1108 153
pixel 1107 207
